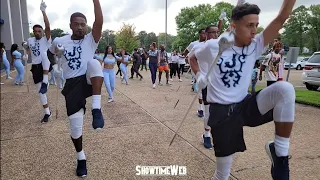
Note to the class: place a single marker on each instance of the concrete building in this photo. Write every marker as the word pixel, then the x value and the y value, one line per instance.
pixel 14 23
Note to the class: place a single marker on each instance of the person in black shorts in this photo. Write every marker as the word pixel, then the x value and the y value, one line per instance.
pixel 84 77
pixel 231 107
pixel 144 57
pixel 37 48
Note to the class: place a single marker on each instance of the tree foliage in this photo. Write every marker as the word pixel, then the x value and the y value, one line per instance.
pixel 170 39
pixel 107 38
pixel 141 36
pixel 126 38
pixel 303 28
pixel 56 33
pixel 151 37
pixel 190 20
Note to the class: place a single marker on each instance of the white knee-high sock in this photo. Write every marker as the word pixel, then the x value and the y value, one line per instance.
pixel 223 168
pixel 281 145
pixel 45 78
pixel 201 107
pixel 76 124
pixel 96 101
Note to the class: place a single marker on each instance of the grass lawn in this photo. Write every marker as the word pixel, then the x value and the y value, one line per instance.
pixel 308 97
pixel 305 97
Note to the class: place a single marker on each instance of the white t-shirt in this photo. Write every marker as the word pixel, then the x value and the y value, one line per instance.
pixel 37 47
pixel 192 44
pixel 231 78
pixel 269 75
pixel 76 55
pixel 181 60
pixel 174 59
pixel 201 50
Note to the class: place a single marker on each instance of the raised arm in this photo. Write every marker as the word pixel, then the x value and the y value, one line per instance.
pixel 97 25
pixel 220 22
pixel 43 7
pixel 273 28
pixel 185 52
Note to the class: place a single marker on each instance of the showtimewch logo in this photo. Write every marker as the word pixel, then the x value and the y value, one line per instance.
pixel 172 170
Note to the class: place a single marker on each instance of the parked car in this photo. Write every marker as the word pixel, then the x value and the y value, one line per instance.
pixel 299 65
pixel 311 73
pixel 260 59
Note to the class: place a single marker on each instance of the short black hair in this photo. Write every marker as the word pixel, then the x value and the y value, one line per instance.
pixel 77 14
pixel 1 45
pixel 37 26
pixel 245 9
pixel 208 28
pixel 135 49
pixel 201 30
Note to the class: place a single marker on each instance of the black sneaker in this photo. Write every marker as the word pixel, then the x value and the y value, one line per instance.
pixel 200 114
pixel 98 121
pixel 82 168
pixel 131 78
pixel 280 165
pixel 45 119
pixel 44 88
pixel 207 142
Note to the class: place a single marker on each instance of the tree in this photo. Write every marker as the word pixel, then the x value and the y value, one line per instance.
pixel 260 29
pixel 89 29
pixel 170 39
pixel 190 20
pixel 141 36
pixel 297 27
pixel 314 32
pixel 126 38
pixel 151 37
pixel 107 38
pixel 56 33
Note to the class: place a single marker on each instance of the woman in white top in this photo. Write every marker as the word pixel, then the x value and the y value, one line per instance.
pixel 181 64
pixel 174 65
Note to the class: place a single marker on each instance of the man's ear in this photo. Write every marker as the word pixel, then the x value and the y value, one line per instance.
pixel 70 26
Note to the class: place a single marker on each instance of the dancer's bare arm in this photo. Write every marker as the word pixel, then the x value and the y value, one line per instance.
pixel 194 64
pixel 97 25
pixel 273 28
pixel 43 8
pixel 47 30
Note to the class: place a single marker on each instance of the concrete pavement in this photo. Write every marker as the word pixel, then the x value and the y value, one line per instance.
pixel 138 131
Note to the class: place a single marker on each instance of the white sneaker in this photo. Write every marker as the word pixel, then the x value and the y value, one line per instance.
pixel 180 80
pixel 110 100
pixel 2 83
pixel 9 77
pixel 154 86
pixel 160 84
pixel 171 79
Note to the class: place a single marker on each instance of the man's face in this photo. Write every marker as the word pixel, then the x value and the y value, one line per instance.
pixel 246 29
pixel 38 32
pixel 79 26
pixel 162 48
pixel 212 33
pixel 202 35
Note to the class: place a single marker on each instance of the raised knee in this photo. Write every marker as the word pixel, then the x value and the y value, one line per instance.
pixel 286 90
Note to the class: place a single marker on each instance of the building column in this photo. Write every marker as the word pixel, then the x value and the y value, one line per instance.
pixel 6 28
pixel 25 20
pixel 16 22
